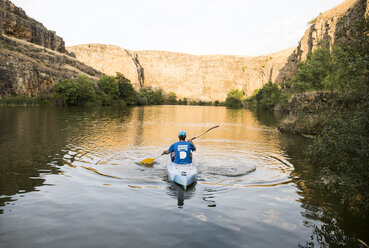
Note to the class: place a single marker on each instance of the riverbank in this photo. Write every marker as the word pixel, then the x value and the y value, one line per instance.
pixel 328 101
pixel 107 91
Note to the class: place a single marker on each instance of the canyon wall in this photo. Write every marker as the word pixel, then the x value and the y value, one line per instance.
pixel 327 26
pixel 14 22
pixel 206 78
pixel 210 77
pixel 32 58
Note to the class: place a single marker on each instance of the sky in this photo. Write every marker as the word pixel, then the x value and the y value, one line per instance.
pixel 240 27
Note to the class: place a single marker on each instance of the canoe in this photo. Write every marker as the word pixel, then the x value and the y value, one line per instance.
pixel 182 174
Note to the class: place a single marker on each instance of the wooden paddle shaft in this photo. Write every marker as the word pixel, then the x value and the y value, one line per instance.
pixel 204 132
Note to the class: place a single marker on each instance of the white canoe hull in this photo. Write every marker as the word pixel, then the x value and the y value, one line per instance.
pixel 182 174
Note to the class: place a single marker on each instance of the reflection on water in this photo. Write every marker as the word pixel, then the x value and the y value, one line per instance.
pixel 74 174
pixel 180 194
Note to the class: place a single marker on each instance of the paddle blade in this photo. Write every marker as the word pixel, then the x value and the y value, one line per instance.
pixel 147 161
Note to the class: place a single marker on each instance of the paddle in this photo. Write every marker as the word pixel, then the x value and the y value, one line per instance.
pixel 203 133
pixel 148 161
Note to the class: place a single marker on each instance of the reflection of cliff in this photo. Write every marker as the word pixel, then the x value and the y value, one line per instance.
pixel 28 137
pixel 32 140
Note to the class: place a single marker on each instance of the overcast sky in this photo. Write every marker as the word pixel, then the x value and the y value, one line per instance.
pixel 243 27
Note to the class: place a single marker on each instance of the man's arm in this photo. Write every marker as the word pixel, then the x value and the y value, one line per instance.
pixel 171 149
pixel 194 147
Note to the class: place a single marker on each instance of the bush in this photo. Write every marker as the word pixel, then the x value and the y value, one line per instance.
pixel 268 97
pixel 19 101
pixel 183 101
pixel 312 72
pixel 234 98
pixel 126 90
pixel 153 97
pixel 141 99
pixel 109 86
pixel 171 98
pixel 76 91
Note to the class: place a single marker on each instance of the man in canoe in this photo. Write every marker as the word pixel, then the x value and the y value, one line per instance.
pixel 181 151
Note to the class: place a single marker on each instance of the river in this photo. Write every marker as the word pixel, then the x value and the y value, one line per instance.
pixel 70 178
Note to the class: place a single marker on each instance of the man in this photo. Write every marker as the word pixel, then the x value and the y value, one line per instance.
pixel 181 151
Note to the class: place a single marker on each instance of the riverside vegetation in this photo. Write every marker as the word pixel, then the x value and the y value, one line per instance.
pixel 108 91
pixel 339 120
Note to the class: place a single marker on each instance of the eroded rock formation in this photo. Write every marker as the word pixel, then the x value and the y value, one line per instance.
pixel 207 77
pixel 14 22
pixel 32 58
pixel 328 24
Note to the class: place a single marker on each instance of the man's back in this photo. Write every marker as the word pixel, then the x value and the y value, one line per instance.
pixel 182 152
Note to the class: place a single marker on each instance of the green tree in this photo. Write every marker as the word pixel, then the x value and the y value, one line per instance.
pixel 312 72
pixel 109 86
pixel 153 97
pixel 171 98
pixel 77 91
pixel 270 95
pixel 126 90
pixel 68 91
pixel 234 98
pixel 86 90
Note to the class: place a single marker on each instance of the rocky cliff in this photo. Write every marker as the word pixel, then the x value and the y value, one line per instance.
pixel 205 78
pixel 14 22
pixel 210 77
pixel 32 58
pixel 327 25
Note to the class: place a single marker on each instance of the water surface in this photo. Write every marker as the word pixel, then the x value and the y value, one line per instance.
pixel 70 178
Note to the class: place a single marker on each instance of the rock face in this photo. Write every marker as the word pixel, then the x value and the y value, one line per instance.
pixel 210 77
pixel 328 24
pixel 206 78
pixel 32 58
pixel 14 22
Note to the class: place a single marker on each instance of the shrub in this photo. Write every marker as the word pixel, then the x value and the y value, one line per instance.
pixel 312 72
pixel 183 101
pixel 126 90
pixel 268 96
pixel 19 101
pixel 76 91
pixel 109 86
pixel 153 97
pixel 141 99
pixel 171 98
pixel 234 98
pixel 86 90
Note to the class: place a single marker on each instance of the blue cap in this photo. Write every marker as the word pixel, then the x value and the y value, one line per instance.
pixel 182 133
